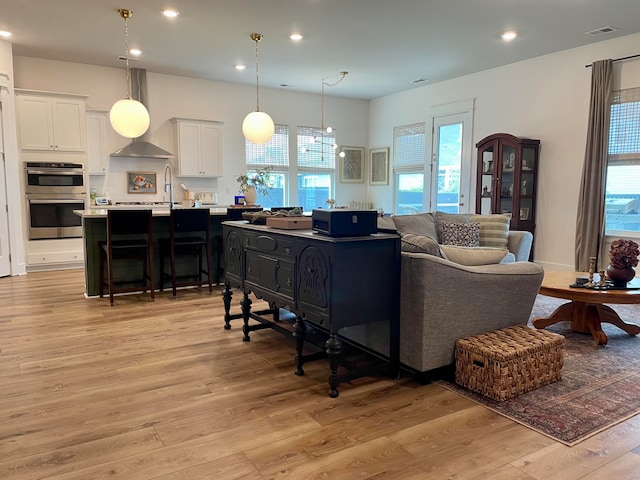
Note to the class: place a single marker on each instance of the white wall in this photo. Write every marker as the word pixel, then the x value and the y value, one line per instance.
pixel 172 96
pixel 546 98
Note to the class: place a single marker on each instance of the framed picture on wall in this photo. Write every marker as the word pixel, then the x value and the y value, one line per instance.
pixel 141 182
pixel 352 165
pixel 379 166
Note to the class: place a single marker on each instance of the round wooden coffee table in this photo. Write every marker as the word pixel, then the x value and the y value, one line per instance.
pixel 585 310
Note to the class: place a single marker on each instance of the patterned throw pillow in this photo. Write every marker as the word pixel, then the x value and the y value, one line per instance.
pixel 461 234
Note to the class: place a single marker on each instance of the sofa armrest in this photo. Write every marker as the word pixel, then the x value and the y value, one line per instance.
pixel 442 301
pixel 519 243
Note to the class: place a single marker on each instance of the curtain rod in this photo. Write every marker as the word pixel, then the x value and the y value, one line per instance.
pixel 617 60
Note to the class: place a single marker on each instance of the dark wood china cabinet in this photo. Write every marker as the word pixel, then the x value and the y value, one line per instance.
pixel 507 178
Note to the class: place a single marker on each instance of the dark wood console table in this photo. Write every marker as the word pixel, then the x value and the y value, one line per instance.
pixel 347 287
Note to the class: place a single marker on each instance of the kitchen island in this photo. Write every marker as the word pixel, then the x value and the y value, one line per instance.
pixel 94 230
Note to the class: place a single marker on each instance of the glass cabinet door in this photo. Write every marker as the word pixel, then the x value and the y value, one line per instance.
pixel 527 184
pixel 507 178
pixel 487 181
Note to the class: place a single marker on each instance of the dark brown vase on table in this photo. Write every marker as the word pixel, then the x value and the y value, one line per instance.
pixel 620 276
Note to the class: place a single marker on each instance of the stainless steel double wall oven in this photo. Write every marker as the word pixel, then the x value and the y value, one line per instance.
pixel 54 190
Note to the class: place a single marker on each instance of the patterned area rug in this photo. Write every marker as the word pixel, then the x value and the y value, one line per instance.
pixel 600 385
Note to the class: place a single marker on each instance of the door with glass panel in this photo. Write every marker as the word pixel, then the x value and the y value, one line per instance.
pixel 450 165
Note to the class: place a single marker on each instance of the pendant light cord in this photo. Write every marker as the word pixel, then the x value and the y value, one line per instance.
pixel 257 38
pixel 126 55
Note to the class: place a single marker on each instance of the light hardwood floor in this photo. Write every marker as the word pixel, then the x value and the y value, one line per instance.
pixel 161 391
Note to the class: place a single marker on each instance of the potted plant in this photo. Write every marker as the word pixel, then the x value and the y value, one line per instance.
pixel 623 256
pixel 257 182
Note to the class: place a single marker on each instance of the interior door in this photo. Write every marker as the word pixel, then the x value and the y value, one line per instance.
pixel 5 265
pixel 450 165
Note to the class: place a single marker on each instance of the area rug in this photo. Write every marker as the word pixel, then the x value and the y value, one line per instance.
pixel 600 385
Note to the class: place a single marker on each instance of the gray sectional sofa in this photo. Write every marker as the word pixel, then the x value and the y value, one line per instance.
pixel 443 300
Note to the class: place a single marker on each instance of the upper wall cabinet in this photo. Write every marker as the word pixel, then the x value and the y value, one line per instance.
pixel 97 145
pixel 199 145
pixel 51 122
pixel 507 178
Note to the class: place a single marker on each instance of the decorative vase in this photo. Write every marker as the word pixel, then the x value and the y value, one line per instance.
pixel 250 195
pixel 620 276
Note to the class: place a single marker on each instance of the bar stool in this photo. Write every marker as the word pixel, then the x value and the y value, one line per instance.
pixel 129 237
pixel 189 235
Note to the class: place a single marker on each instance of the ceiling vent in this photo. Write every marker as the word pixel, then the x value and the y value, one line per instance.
pixel 601 31
pixel 122 58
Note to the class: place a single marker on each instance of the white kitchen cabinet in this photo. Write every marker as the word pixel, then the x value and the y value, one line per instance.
pixel 51 122
pixel 199 145
pixel 98 151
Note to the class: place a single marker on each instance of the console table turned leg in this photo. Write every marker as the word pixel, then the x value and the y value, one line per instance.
pixel 227 294
pixel 299 332
pixel 333 349
pixel 245 305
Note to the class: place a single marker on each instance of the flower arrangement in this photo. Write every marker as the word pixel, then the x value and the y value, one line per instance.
pixel 259 179
pixel 624 253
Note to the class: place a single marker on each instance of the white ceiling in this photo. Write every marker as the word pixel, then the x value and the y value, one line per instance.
pixel 384 44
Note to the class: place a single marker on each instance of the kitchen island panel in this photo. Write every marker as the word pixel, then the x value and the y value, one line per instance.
pixel 94 230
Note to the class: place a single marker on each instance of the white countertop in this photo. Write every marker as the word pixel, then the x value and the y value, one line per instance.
pixel 156 210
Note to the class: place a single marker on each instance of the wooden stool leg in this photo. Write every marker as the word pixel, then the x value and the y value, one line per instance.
pixel 103 259
pixel 173 270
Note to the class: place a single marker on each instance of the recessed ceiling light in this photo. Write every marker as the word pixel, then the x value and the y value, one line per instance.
pixel 170 13
pixel 135 51
pixel 509 35
pixel 5 34
pixel 296 37
pixel 240 67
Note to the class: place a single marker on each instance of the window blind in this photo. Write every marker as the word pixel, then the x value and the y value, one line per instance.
pixel 624 127
pixel 320 155
pixel 275 152
pixel 409 146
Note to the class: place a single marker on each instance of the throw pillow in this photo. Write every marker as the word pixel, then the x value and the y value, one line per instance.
pixel 473 256
pixel 420 244
pixel 461 234
pixel 494 229
pixel 442 217
pixel 420 224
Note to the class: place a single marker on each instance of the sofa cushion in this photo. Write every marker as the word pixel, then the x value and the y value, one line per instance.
pixel 472 256
pixel 461 234
pixel 385 224
pixel 442 217
pixel 494 229
pixel 420 244
pixel 420 224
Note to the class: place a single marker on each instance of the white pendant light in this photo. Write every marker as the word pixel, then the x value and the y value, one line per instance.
pixel 258 126
pixel 128 117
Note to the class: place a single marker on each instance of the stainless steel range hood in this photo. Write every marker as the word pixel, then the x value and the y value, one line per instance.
pixel 140 147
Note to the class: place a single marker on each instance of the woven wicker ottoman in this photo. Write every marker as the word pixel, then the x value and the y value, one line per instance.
pixel 510 361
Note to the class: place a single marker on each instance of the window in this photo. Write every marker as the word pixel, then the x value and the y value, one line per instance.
pixel 622 198
pixel 274 153
pixel 316 167
pixel 408 168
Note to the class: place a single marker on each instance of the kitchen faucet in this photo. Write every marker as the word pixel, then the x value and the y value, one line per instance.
pixel 168 186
